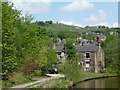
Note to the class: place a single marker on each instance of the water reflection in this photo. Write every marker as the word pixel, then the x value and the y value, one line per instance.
pixel 113 82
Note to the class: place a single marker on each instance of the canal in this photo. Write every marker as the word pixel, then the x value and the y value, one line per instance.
pixel 111 82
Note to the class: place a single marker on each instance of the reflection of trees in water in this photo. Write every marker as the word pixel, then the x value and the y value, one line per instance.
pixel 100 83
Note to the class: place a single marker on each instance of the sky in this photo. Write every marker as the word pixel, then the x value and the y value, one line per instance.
pixel 71 12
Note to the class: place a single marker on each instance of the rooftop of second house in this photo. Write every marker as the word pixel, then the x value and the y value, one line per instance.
pixel 59 48
pixel 87 48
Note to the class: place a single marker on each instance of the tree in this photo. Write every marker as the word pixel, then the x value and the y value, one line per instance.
pixel 9 18
pixel 50 22
pixel 71 52
pixel 41 23
pixel 55 37
pixel 111 53
pixel 67 34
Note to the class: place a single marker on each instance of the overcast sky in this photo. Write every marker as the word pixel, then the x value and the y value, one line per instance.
pixel 74 12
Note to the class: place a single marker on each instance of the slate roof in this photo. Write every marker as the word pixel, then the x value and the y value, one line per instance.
pixel 59 48
pixel 101 36
pixel 87 48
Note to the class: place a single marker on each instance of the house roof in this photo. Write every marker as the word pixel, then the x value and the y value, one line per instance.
pixel 59 48
pixel 101 36
pixel 87 48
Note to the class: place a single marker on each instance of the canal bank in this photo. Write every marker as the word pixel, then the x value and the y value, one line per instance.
pixel 74 74
pixel 109 82
pixel 66 83
pixel 100 76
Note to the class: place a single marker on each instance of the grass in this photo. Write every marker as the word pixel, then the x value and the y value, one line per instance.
pixel 16 79
pixel 61 27
pixel 88 75
pixel 19 78
pixel 54 83
pixel 0 84
pixel 66 82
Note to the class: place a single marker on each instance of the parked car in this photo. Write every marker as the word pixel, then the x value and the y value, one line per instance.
pixel 54 70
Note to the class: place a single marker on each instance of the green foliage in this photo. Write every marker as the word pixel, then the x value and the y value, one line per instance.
pixel 111 70
pixel 89 37
pixel 46 23
pixel 61 83
pixel 71 52
pixel 54 83
pixel 16 79
pixel 37 73
pixel 9 19
pixel 26 46
pixel 71 70
pixel 55 37
pixel 7 84
pixel 67 34
pixel 110 47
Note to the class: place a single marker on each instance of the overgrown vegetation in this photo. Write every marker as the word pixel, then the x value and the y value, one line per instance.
pixel 54 83
pixel 26 47
pixel 15 79
pixel 110 47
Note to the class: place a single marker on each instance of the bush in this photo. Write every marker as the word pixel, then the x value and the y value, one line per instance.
pixel 7 84
pixel 110 70
pixel 71 70
pixel 37 72
pixel 29 66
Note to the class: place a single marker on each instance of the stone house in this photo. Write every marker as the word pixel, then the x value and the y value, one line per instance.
pixel 60 53
pixel 60 50
pixel 91 57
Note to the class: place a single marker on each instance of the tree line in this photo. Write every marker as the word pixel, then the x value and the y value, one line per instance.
pixel 44 23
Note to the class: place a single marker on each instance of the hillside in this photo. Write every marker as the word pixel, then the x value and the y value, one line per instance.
pixel 61 27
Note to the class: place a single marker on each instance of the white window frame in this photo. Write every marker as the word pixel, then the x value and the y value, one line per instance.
pixel 87 65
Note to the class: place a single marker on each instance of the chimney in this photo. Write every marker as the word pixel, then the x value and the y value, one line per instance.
pixel 99 44
pixel 54 46
pixel 82 43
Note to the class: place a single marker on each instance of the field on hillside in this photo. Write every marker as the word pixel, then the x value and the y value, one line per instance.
pixel 62 27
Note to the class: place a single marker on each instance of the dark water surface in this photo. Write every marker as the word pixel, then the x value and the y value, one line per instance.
pixel 111 82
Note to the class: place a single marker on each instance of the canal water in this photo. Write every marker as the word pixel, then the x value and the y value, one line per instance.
pixel 111 82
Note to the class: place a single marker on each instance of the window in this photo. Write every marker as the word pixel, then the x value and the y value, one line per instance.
pixel 87 65
pixel 100 63
pixel 87 55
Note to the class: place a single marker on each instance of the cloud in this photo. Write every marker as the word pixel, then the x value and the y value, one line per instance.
pixel 77 6
pixel 32 6
pixel 71 23
pixel 115 24
pixel 101 18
